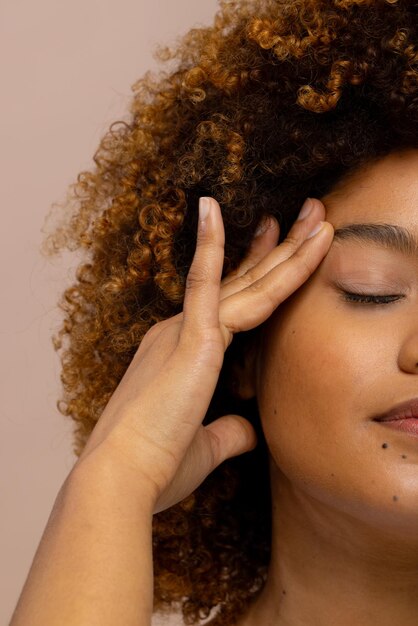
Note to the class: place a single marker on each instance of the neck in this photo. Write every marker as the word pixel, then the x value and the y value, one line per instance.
pixel 328 568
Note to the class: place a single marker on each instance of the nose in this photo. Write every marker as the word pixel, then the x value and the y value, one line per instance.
pixel 408 355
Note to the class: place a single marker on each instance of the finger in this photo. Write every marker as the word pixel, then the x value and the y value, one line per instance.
pixel 295 238
pixel 224 438
pixel 201 300
pixel 230 435
pixel 251 306
pixel 261 244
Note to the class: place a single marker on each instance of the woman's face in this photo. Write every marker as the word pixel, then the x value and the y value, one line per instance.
pixel 329 362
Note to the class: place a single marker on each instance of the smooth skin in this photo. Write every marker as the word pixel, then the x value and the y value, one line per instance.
pixel 344 487
pixel 149 448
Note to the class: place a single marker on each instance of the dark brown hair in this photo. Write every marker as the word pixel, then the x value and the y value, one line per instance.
pixel 276 101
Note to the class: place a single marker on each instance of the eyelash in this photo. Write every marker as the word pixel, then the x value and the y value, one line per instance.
pixel 368 298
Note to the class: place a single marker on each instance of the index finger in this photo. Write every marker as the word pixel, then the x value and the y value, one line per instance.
pixel 251 306
pixel 201 300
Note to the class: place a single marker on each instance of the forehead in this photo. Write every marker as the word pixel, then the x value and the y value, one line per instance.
pixel 385 191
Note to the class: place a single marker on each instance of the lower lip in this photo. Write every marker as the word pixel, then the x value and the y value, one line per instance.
pixel 408 425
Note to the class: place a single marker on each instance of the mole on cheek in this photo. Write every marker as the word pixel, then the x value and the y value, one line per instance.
pixel 385 445
pixel 404 456
pixel 395 498
pixel 275 411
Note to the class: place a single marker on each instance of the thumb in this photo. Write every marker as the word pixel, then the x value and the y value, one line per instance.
pixel 226 437
pixel 230 436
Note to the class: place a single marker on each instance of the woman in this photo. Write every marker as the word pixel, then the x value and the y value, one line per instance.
pixel 254 396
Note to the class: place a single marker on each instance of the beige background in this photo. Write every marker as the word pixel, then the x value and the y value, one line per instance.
pixel 66 73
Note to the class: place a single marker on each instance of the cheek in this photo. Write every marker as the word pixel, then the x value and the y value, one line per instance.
pixel 310 371
pixel 321 377
pixel 304 387
pixel 315 381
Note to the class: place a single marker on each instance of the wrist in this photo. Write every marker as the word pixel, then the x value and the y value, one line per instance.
pixel 99 475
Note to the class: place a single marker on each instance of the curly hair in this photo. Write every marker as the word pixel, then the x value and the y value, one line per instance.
pixel 276 101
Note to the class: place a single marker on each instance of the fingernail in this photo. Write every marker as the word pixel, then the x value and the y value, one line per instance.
pixel 262 227
pixel 307 206
pixel 204 208
pixel 315 230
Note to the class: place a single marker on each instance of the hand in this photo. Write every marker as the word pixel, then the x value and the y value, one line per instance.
pixel 151 429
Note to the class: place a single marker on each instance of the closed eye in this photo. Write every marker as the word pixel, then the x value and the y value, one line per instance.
pixel 369 298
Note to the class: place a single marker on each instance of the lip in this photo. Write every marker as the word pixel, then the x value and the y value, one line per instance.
pixel 403 410
pixel 402 417
pixel 409 425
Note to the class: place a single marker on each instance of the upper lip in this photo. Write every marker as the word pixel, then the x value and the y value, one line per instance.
pixel 403 410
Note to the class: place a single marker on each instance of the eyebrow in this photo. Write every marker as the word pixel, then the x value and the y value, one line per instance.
pixel 385 235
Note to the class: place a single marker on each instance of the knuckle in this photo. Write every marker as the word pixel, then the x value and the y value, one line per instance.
pixel 198 277
pixel 248 278
pixel 304 267
pixel 256 286
pixel 233 275
pixel 203 347
pixel 292 241
pixel 203 339
pixel 161 327
pixel 155 330
pixel 150 336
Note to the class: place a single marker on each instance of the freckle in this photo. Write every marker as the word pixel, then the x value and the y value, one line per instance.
pixel 332 474
pixel 284 592
pixel 385 445
pixel 395 498
pixel 404 456
pixel 275 411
